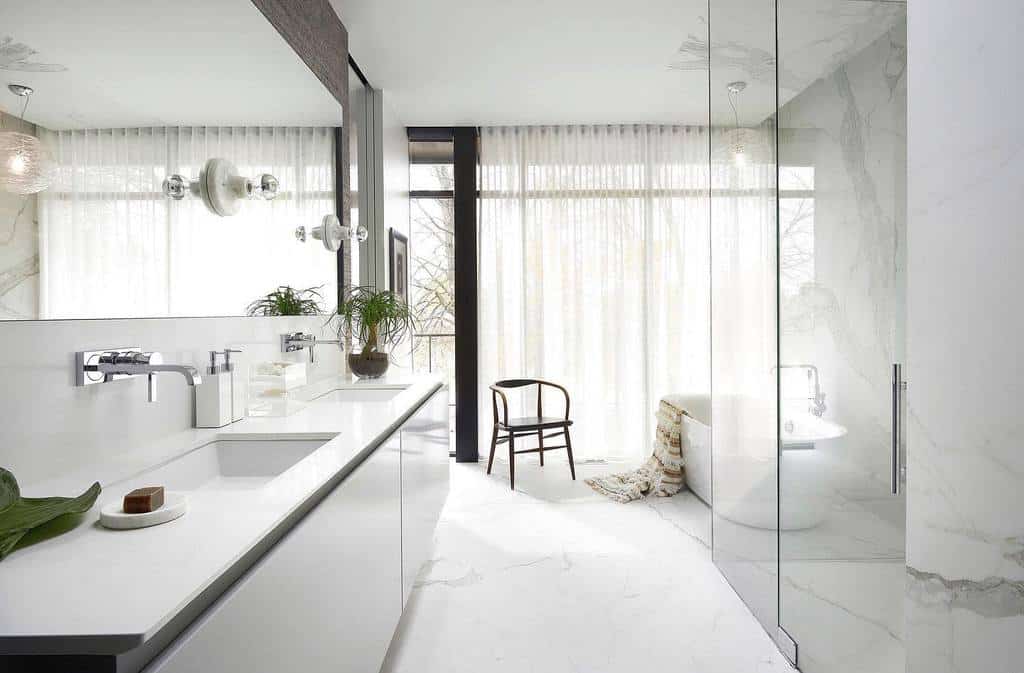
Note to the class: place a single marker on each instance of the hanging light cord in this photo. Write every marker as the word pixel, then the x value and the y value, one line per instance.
pixel 732 104
pixel 24 107
pixel 21 117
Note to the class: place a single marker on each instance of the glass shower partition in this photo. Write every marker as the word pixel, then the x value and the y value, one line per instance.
pixel 808 221
pixel 744 350
pixel 842 246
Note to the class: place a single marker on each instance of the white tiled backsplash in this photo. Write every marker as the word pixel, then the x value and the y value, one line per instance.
pixel 50 428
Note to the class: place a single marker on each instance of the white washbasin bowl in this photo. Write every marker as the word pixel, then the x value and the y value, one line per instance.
pixel 361 395
pixel 230 464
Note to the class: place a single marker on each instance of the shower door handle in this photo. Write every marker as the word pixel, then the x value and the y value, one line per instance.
pixel 898 387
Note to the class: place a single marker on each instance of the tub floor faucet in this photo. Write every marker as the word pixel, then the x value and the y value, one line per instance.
pixel 817 406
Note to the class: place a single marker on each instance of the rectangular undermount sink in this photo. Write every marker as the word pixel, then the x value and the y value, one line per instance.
pixel 361 395
pixel 230 464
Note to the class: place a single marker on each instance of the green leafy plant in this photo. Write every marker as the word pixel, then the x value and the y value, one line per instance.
pixel 19 516
pixel 377 319
pixel 286 300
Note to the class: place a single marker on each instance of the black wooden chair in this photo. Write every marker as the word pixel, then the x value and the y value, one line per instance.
pixel 524 427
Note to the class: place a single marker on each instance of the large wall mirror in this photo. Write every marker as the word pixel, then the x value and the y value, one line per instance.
pixel 162 164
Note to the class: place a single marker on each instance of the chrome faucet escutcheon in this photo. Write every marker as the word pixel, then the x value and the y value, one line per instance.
pixel 113 364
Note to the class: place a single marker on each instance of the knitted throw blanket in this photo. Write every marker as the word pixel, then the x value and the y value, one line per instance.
pixel 662 474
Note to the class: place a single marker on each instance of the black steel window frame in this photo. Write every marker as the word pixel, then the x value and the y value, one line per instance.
pixel 464 195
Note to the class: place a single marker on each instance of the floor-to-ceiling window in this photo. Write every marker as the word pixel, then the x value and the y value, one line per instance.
pixel 432 258
pixel 593 273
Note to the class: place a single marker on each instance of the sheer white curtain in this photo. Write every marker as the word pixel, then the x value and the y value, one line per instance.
pixel 594 272
pixel 111 244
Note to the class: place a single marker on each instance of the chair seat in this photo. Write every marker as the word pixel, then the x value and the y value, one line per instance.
pixel 534 423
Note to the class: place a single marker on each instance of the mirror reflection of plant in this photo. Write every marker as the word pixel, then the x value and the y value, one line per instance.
pixel 377 319
pixel 286 300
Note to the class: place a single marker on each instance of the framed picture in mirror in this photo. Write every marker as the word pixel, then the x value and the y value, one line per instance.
pixel 398 247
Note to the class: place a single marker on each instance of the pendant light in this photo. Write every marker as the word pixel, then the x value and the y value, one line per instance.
pixel 25 165
pixel 738 136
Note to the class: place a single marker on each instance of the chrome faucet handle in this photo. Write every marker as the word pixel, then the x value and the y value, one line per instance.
pixel 139 358
pixel 130 357
pixel 296 341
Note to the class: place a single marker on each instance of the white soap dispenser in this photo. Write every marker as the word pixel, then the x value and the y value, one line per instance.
pixel 213 396
pixel 239 386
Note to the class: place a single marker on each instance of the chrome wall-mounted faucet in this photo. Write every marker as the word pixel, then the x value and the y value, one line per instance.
pixel 119 363
pixel 296 341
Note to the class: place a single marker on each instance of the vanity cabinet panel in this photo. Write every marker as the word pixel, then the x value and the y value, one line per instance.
pixel 327 597
pixel 425 469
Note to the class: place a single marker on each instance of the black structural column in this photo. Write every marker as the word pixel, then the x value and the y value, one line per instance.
pixel 466 371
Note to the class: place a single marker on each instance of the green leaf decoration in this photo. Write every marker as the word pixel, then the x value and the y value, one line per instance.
pixel 18 516
pixel 9 491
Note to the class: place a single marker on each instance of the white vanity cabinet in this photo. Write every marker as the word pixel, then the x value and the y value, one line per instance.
pixel 325 598
pixel 425 461
pixel 330 594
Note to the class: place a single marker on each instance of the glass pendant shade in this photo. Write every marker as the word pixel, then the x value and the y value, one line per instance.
pixel 746 146
pixel 25 165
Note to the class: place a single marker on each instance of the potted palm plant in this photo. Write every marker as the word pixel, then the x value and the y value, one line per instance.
pixel 376 319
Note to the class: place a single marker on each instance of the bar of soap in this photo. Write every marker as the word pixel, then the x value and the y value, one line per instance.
pixel 143 500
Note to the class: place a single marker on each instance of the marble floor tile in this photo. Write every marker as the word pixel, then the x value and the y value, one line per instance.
pixel 847 616
pixel 554 578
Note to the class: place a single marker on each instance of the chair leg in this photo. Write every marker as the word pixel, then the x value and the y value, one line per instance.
pixel 568 450
pixel 512 460
pixel 494 445
pixel 540 438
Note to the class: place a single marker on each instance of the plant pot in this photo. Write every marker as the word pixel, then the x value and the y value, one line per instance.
pixel 373 366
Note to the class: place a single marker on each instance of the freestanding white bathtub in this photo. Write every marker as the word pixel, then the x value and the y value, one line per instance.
pixel 750 492
pixel 696 445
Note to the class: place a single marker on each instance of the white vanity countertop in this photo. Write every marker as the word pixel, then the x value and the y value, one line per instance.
pixel 106 591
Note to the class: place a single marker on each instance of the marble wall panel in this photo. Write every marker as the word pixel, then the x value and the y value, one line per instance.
pixel 965 547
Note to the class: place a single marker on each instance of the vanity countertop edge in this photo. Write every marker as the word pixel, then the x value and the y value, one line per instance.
pixel 103 592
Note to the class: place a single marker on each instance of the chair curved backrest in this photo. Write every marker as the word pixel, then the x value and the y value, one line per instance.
pixel 520 383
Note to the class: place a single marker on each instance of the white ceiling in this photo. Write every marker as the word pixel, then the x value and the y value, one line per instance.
pixel 492 62
pixel 131 63
pixel 489 62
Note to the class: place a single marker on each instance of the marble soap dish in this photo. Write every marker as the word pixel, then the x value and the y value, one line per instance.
pixel 113 515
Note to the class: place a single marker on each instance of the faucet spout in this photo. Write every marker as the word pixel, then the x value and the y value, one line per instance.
pixel 191 374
